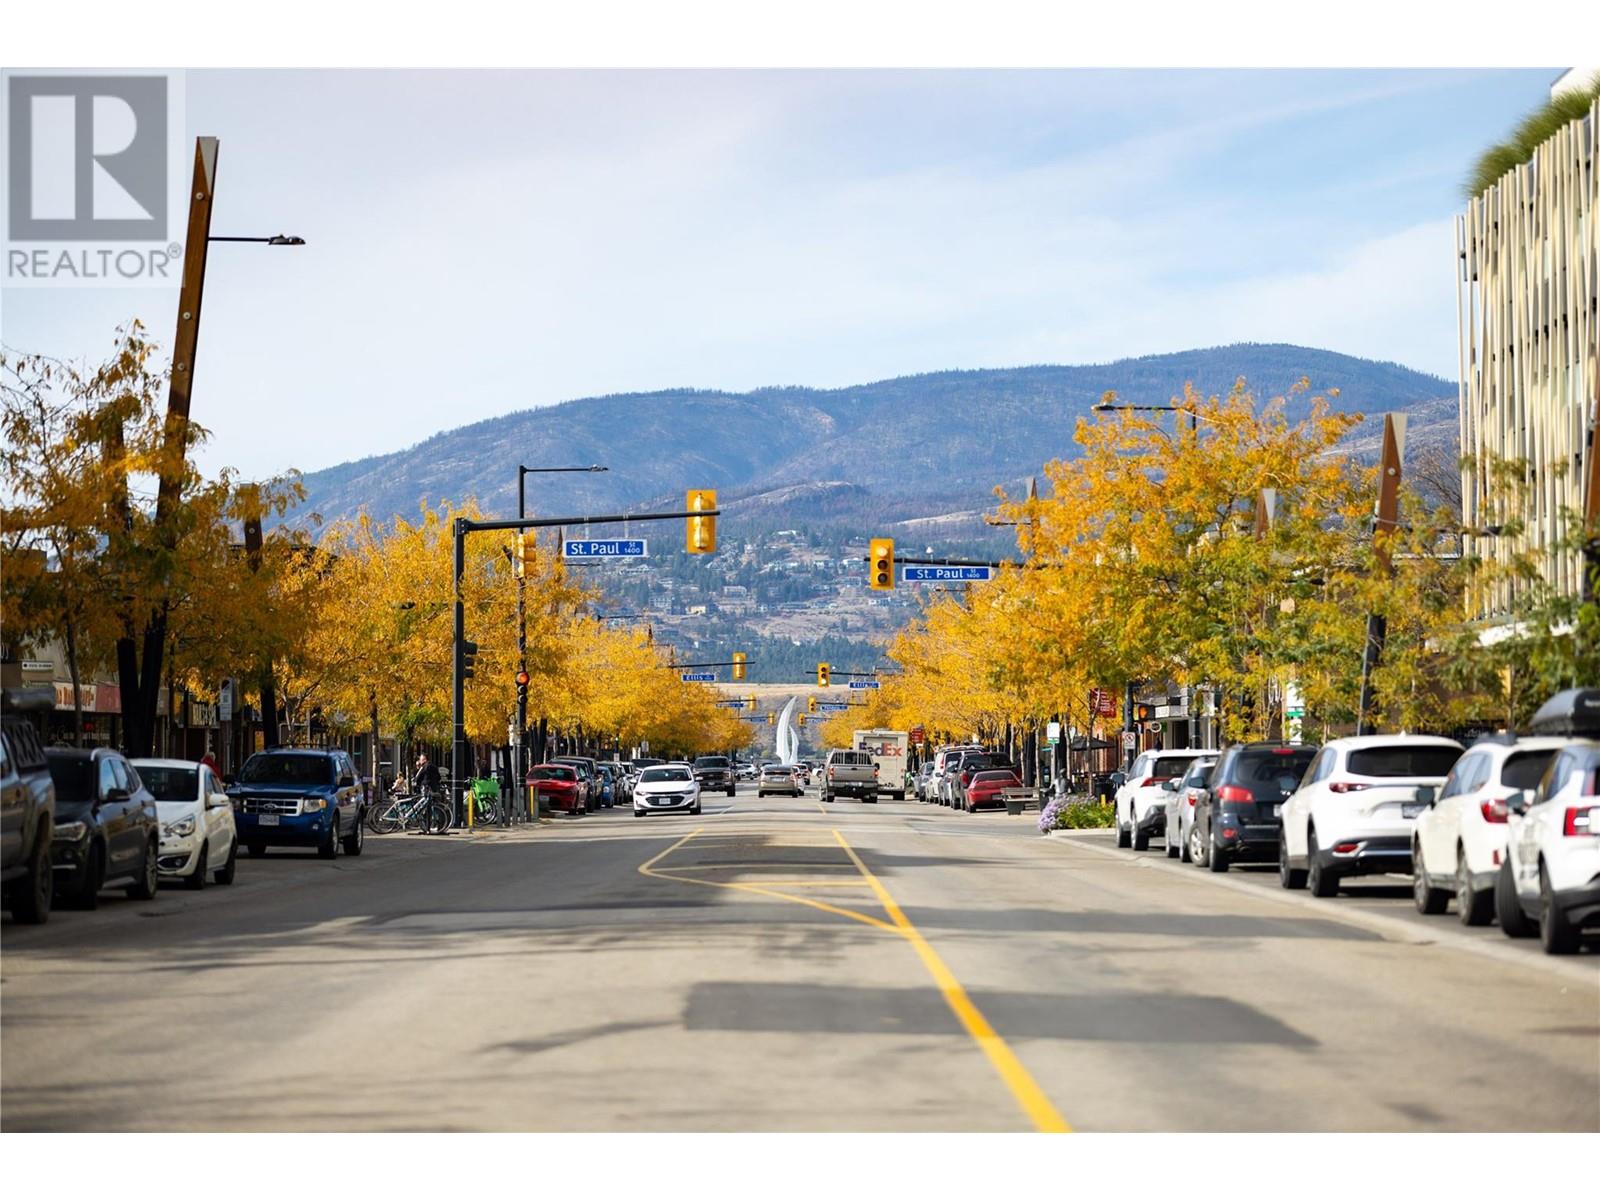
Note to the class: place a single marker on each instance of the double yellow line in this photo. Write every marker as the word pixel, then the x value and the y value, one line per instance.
pixel 1023 1087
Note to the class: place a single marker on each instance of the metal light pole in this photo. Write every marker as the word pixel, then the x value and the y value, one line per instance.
pixel 519 765
pixel 1386 516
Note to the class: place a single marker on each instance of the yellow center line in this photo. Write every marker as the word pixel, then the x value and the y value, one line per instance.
pixel 1028 1093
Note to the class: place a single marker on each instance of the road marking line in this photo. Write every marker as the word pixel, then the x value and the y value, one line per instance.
pixel 1028 1094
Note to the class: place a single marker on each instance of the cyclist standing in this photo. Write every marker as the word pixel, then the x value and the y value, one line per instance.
pixel 427 775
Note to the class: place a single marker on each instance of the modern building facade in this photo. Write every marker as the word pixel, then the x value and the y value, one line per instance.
pixel 1528 251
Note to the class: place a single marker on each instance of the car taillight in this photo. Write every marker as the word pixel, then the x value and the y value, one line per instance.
pixel 830 772
pixel 1146 781
pixel 1343 787
pixel 1494 811
pixel 1582 822
pixel 1192 797
pixel 1230 793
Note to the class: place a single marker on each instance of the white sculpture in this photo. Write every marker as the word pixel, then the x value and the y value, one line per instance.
pixel 788 746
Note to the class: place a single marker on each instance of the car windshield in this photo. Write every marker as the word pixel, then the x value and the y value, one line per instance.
pixel 710 761
pixel 294 770
pixel 73 777
pixel 773 770
pixel 1404 762
pixel 1268 773
pixel 171 783
pixel 1170 767
pixel 666 775
pixel 1523 771
pixel 1198 774
pixel 994 777
pixel 565 774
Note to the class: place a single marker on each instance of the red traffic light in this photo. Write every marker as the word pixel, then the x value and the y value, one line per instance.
pixel 522 678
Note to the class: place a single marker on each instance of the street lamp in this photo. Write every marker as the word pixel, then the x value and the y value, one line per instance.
pixel 519 769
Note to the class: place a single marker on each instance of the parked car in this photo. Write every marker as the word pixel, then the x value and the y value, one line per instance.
pixel 1238 816
pixel 1356 807
pixel 589 777
pixel 1549 880
pixel 714 773
pixel 27 807
pixel 559 786
pixel 1141 801
pixel 292 797
pixel 671 787
pixel 610 793
pixel 1181 797
pixel 107 830
pixel 777 779
pixel 1459 841
pixel 198 834
pixel 850 773
pixel 919 781
pixel 985 788
pixel 944 761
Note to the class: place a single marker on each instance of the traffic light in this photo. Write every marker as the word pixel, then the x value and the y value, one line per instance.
pixel 519 560
pixel 469 652
pixel 801 718
pixel 522 687
pixel 1143 712
pixel 701 533
pixel 880 565
pixel 822 674
pixel 811 704
pixel 738 666
pixel 772 718
pixel 750 703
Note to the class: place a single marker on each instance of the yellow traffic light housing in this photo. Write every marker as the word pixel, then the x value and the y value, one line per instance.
pixel 701 534
pixel 738 666
pixel 772 718
pixel 519 560
pixel 822 674
pixel 750 703
pixel 811 704
pixel 880 565
pixel 801 718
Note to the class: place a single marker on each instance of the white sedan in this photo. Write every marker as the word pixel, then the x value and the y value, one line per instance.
pixel 197 829
pixel 670 787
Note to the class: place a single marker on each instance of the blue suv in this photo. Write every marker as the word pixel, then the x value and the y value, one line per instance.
pixel 299 798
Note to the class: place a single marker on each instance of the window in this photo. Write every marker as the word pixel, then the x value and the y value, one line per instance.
pixel 5 755
pixel 106 777
pixel 1460 781
pixel 292 770
pixel 1403 761
pixel 1524 770
pixel 172 783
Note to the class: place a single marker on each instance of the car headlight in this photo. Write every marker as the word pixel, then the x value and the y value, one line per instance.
pixel 180 828
pixel 71 831
pixel 315 804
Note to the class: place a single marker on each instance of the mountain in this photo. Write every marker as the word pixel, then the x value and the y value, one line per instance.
pixel 920 446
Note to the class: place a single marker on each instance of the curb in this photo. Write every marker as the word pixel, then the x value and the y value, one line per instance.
pixel 1392 927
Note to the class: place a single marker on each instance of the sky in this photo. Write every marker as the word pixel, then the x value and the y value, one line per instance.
pixel 481 242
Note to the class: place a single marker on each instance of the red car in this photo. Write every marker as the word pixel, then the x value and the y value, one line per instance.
pixel 986 786
pixel 558 785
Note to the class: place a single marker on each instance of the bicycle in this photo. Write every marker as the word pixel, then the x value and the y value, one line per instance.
pixel 421 810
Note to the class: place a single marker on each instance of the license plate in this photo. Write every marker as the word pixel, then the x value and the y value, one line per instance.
pixel 1411 810
pixel 1277 810
pixel 267 819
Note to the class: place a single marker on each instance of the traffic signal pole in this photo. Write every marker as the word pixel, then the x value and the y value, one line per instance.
pixel 462 527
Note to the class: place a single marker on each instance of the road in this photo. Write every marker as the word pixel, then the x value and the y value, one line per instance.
pixel 779 964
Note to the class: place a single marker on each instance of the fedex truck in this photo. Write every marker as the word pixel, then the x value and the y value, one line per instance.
pixel 888 750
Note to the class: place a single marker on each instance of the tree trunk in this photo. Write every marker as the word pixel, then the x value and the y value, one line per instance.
pixel 72 672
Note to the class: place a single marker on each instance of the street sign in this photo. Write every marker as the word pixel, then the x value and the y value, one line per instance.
pixel 918 734
pixel 730 703
pixel 588 550
pixel 834 706
pixel 699 677
pixel 1154 726
pixel 946 574
pixel 1130 739
pixel 1102 702
pixel 861 685
pixel 1052 732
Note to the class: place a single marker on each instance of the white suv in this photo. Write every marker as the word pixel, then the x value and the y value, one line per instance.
pixel 1551 873
pixel 1354 811
pixel 1460 839
pixel 1141 799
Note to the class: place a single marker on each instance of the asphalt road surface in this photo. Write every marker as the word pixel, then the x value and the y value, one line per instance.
pixel 780 964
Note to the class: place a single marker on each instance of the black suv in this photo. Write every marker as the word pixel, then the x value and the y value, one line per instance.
pixel 714 772
pixel 107 829
pixel 27 807
pixel 1239 815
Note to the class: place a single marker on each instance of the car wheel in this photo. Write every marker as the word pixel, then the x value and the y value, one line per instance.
pixel 1173 849
pixel 225 875
pixel 695 811
pixel 196 879
pixel 1184 854
pixel 329 846
pixel 257 850
pixel 150 876
pixel 1322 880
pixel 1140 837
pixel 1124 836
pixel 87 897
pixel 1430 901
pixel 1197 847
pixel 1216 858
pixel 1472 906
pixel 1290 878
pixel 355 842
pixel 1556 933
pixel 1507 908
pixel 31 895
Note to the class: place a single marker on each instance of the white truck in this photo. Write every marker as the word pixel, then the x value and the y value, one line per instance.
pixel 888 750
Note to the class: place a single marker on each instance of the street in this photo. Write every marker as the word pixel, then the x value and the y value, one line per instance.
pixel 780 964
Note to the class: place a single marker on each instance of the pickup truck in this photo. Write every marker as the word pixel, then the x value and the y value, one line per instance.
pixel 850 773
pixel 714 772
pixel 28 798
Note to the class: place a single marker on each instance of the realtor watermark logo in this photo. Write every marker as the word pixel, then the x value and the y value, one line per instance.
pixel 95 178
